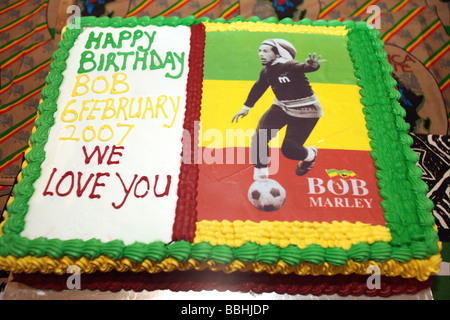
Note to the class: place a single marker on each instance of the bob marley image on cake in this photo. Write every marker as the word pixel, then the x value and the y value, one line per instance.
pixel 295 105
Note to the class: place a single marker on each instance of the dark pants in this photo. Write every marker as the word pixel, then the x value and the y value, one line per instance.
pixel 297 131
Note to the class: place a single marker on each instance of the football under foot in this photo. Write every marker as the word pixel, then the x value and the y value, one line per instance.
pixel 304 167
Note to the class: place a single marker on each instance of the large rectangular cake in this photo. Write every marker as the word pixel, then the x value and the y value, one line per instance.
pixel 160 147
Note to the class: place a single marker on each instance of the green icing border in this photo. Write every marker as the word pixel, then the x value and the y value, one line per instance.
pixel 407 209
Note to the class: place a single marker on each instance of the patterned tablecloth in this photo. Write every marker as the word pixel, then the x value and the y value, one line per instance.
pixel 415 32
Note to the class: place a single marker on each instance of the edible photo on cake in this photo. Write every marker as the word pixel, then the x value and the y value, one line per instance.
pixel 283 134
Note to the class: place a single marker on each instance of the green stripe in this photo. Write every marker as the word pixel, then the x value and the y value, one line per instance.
pixel 11 5
pixel 11 156
pixel 18 53
pixel 5 133
pixel 351 15
pixel 329 5
pixel 437 52
pixel 399 22
pixel 423 32
pixel 138 6
pixel 28 14
pixel 397 5
pixel 229 8
pixel 170 8
pixel 444 80
pixel 24 35
pixel 21 97
pixel 238 52
pixel 26 72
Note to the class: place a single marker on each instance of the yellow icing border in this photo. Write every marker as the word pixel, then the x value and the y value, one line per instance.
pixel 282 233
pixel 416 268
pixel 260 26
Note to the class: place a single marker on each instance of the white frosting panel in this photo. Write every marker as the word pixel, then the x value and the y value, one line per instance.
pixel 136 122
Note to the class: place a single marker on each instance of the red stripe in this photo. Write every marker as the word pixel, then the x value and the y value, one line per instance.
pixel 24 77
pixel 22 53
pixel 24 18
pixel 25 37
pixel 186 212
pixel 224 188
pixel 26 98
pixel 10 162
pixel 23 126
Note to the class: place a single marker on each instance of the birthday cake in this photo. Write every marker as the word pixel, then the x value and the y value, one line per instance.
pixel 160 147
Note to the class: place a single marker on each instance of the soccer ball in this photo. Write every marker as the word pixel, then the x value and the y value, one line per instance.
pixel 266 195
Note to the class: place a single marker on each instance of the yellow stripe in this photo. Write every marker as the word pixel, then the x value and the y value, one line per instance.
pixel 24 18
pixel 415 268
pixel 407 19
pixel 445 84
pixel 174 8
pixel 23 38
pixel 230 10
pixel 329 9
pixel 399 6
pixel 206 8
pixel 282 233
pixel 342 127
pixel 23 125
pixel 363 9
pixel 413 45
pixel 13 6
pixel 429 63
pixel 139 8
pixel 24 76
pixel 274 27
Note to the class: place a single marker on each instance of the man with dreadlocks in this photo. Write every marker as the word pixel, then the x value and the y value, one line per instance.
pixel 295 106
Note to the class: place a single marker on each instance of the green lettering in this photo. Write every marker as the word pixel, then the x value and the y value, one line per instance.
pixel 123 35
pixel 180 59
pixel 110 61
pixel 137 34
pixel 154 66
pixel 125 56
pixel 94 39
pixel 109 40
pixel 101 62
pixel 150 41
pixel 140 59
pixel 87 57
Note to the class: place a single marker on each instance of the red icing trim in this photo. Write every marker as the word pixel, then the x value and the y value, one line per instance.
pixel 186 212
pixel 180 281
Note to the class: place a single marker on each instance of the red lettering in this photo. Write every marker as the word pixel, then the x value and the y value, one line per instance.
pixel 402 64
pixel 408 58
pixel 148 187
pixel 113 153
pixel 97 184
pixel 394 60
pixel 127 192
pixel 80 191
pixel 100 157
pixel 46 192
pixel 166 191
pixel 67 174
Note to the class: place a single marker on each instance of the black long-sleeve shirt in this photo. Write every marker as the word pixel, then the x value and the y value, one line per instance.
pixel 288 82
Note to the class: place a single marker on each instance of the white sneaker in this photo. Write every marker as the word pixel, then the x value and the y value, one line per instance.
pixel 261 173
